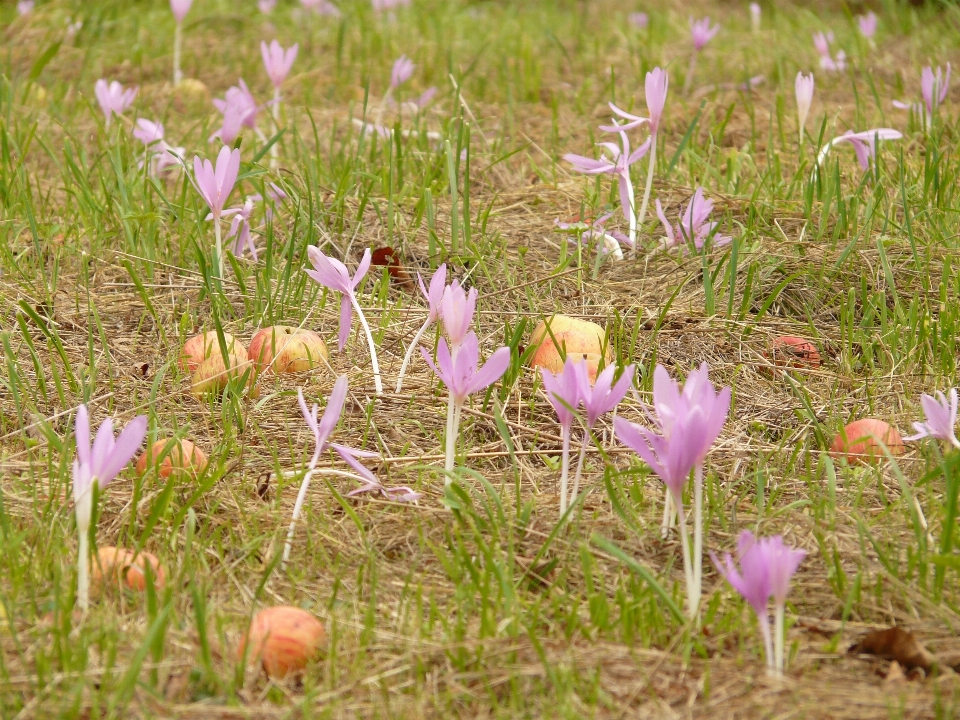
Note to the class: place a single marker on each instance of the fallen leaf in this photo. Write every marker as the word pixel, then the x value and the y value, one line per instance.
pixel 387 257
pixel 895 644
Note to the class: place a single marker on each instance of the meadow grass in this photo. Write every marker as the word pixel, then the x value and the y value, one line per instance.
pixel 475 602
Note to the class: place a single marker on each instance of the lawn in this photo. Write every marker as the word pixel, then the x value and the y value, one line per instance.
pixel 451 585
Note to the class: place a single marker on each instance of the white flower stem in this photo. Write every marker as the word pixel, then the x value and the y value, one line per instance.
pixel 698 532
pixel 693 66
pixel 297 509
pixel 84 509
pixel 274 150
pixel 687 566
pixel 632 208
pixel 177 42
pixel 564 468
pixel 576 478
pixel 373 348
pixel 453 428
pixel 651 166
pixel 218 260
pixel 413 346
pixel 668 513
pixel 778 639
pixel 764 621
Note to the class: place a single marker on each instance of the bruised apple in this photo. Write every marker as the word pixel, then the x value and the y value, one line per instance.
pixel 862 439
pixel 184 456
pixel 580 338
pixel 794 352
pixel 120 567
pixel 287 349
pixel 283 639
pixel 206 345
pixel 214 374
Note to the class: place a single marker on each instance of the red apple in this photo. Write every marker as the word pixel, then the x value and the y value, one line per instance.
pixel 794 352
pixel 581 339
pixel 283 639
pixel 135 573
pixel 115 566
pixel 213 374
pixel 287 349
pixel 861 440
pixel 205 345
pixel 184 456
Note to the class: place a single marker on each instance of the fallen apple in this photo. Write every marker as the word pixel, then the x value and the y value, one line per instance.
pixel 580 339
pixel 282 639
pixel 794 352
pixel 119 566
pixel 206 345
pixel 183 456
pixel 863 440
pixel 286 349
pixel 214 374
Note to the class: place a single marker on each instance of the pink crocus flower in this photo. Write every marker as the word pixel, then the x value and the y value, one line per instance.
pixel 321 430
pixel 864 144
pixel 240 228
pixel 434 298
pixel 822 43
pixel 755 17
pixel 456 309
pixel 384 5
pixel 425 98
pixel 639 20
pixel 161 155
pixel 940 418
pixel 610 241
pixel 234 119
pixel 462 379
pixel 266 6
pixel 868 24
pixel 618 164
pixel 934 87
pixel 804 87
pixel 180 9
pixel 97 464
pixel 214 185
pixel 25 7
pixel 563 393
pixel 278 61
pixel 333 275
pixel 241 102
pixel 402 71
pixel 321 7
pixel 701 32
pixel 694 225
pixel 113 99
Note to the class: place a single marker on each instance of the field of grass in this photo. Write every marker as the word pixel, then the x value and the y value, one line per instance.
pixel 474 601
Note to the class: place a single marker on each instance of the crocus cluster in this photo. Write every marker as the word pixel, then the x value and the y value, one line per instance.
pixel 822 42
pixel 97 465
pixel 215 183
pixel 239 109
pixel 934 87
pixel 694 227
pixel 161 156
pixel 333 275
pixel 864 144
pixel 940 418
pixel 687 423
pixel 766 568
pixel 609 240
pixel 113 98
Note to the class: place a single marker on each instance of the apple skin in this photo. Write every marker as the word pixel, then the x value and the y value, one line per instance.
pixel 794 352
pixel 204 346
pixel 581 338
pixel 287 349
pixel 184 457
pixel 213 374
pixel 282 639
pixel 860 440
pixel 118 566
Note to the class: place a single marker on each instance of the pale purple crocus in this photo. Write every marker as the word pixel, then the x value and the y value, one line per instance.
pixel 940 418
pixel 701 33
pixel 322 7
pixel 694 227
pixel 610 241
pixel 655 89
pixel 266 6
pixel 434 298
pixel 385 5
pixel 160 155
pixel 639 20
pixel 868 24
pixel 180 9
pixel 689 421
pixel 934 87
pixel 278 61
pixel 784 562
pixel 240 228
pixel 402 71
pixel 321 430
pixel 822 42
pixel 215 185
pixel 617 164
pixel 333 275
pixel 804 87
pixel 97 464
pixel 456 310
pixel 425 98
pixel 235 116
pixel 113 98
pixel 25 7
pixel 755 17
pixel 239 101
pixel 462 379
pixel 864 144
pixel 563 393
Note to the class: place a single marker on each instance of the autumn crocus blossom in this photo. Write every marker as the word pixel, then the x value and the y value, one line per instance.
pixel 934 87
pixel 333 275
pixel 180 9
pixel 278 61
pixel 610 241
pixel 563 393
pixel 868 24
pixel 402 71
pixel 822 43
pixel 639 20
pixel 25 7
pixel 755 17
pixel 940 418
pixel 99 465
pixel 456 310
pixel 694 226
pixel 864 144
pixel 215 185
pixel 462 379
pixel 804 90
pixel 701 33
pixel 321 431
pixel 434 298
pixel 113 98
pixel 160 155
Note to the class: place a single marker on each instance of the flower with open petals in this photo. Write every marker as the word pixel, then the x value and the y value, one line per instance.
pixel 694 225
pixel 101 462
pixel 460 374
pixel 864 144
pixel 112 97
pixel 324 427
pixel 216 183
pixel 940 415
pixel 402 71
pixel 333 275
pixel 604 395
pixel 701 32
pixel 868 24
pixel 180 9
pixel 278 61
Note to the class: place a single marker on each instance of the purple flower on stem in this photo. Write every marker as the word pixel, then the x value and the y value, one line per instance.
pixel 402 71
pixel 321 431
pixel 610 241
pixel 456 311
pixel 690 422
pixel 266 6
pixel 868 25
pixel 940 415
pixel 239 110
pixel 383 5
pixel 460 375
pixel 98 464
pixel 617 164
pixel 113 99
pixel 822 43
pixel 25 7
pixel 934 87
pixel 434 298
pixel 639 20
pixel 864 144
pixel 421 102
pixel 240 228
pixel 215 185
pixel 804 90
pixel 160 155
pixel 755 17
pixel 700 33
pixel 180 9
pixel 563 393
pixel 694 226
pixel 333 275
pixel 278 61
